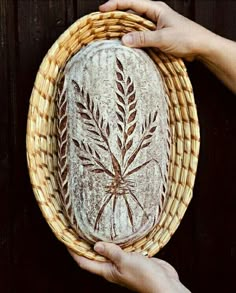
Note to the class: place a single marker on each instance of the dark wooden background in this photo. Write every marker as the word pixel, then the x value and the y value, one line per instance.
pixel 203 250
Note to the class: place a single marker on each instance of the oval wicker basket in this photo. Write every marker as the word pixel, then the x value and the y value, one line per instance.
pixel 42 130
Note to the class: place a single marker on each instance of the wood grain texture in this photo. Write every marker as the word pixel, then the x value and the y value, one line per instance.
pixel 218 131
pixel 204 248
pixel 7 138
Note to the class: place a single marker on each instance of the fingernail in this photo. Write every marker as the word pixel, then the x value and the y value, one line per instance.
pixel 127 39
pixel 99 247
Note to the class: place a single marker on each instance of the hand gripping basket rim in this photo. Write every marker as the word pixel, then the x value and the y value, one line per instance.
pixel 41 139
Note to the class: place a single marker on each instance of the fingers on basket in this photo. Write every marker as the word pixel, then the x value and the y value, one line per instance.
pixel 141 7
pixel 92 266
pixel 111 251
pixel 142 39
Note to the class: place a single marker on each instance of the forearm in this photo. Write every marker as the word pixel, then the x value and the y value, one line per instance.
pixel 181 37
pixel 168 286
pixel 219 55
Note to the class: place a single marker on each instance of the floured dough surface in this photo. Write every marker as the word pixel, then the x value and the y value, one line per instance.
pixel 113 143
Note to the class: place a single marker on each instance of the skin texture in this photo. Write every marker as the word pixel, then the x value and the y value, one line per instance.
pixel 183 38
pixel 132 270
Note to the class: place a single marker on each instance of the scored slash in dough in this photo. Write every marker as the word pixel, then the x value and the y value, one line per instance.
pixel 114 143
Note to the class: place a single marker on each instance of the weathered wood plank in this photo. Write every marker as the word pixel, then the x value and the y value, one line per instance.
pixel 31 259
pixel 38 25
pixel 84 7
pixel 180 251
pixel 183 7
pixel 217 16
pixel 215 201
pixel 7 138
pixel 225 19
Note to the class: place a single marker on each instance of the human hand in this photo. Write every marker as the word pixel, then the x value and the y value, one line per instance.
pixel 175 34
pixel 132 270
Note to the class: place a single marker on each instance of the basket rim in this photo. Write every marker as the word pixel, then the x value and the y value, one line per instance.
pixel 177 65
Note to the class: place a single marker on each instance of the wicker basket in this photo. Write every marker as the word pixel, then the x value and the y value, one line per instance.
pixel 42 131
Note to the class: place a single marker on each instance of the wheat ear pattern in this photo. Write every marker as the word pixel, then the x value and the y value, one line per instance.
pixel 62 153
pixel 99 132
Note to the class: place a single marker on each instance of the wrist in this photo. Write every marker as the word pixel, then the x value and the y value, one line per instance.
pixel 208 46
pixel 165 285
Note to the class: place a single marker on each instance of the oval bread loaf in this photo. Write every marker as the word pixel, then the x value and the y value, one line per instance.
pixel 113 142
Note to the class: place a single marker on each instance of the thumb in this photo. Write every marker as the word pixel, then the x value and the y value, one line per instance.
pixel 111 251
pixel 142 39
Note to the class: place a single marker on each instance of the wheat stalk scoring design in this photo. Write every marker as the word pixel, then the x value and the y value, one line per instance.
pixel 62 152
pixel 99 132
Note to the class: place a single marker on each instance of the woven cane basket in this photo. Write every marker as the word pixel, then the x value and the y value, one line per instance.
pixel 42 131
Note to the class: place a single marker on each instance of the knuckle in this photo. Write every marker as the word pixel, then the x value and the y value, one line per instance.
pixel 163 7
pixel 168 268
pixel 118 256
pixel 141 38
pixel 125 261
pixel 160 37
pixel 114 253
pixel 161 4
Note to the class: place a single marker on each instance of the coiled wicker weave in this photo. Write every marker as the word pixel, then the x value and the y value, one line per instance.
pixel 42 130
